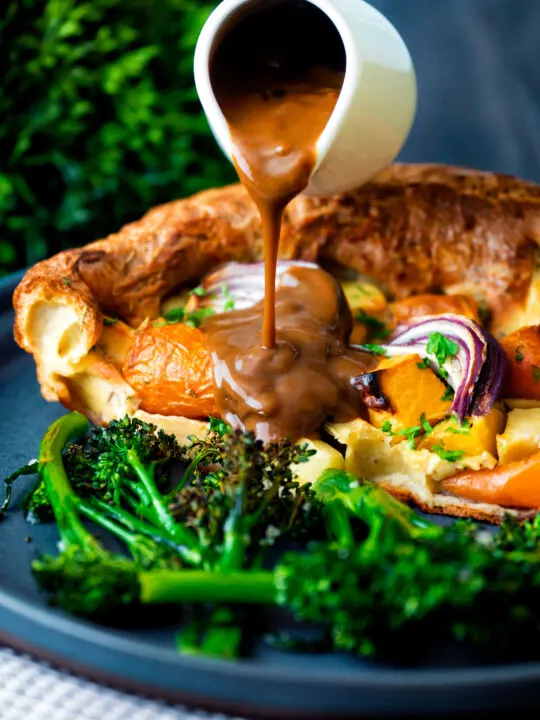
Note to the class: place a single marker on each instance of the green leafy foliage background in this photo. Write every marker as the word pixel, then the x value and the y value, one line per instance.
pixel 99 119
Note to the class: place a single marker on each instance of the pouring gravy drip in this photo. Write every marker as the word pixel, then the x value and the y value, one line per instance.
pixel 277 77
pixel 291 390
pixel 282 366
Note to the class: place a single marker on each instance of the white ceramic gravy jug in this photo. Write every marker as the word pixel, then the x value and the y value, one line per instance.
pixel 376 106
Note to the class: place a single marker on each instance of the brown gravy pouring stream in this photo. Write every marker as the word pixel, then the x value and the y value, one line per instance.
pixel 277 76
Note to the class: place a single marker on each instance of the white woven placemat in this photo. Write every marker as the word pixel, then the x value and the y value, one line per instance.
pixel 32 690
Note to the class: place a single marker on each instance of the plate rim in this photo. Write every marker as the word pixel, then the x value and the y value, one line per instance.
pixel 37 619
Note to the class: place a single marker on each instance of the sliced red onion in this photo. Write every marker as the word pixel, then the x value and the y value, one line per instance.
pixel 476 372
pixel 238 286
pixel 493 377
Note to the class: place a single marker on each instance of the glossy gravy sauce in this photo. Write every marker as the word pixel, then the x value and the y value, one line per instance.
pixel 282 367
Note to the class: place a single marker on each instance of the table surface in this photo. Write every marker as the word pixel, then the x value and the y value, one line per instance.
pixel 32 690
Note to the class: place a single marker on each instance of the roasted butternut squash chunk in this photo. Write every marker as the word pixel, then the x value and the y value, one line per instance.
pixel 418 305
pixel 522 349
pixel 404 390
pixel 474 436
pixel 364 296
pixel 369 308
pixel 521 437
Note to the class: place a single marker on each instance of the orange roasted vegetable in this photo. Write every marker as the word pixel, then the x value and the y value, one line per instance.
pixel 522 348
pixel 171 370
pixel 405 310
pixel 515 484
pixel 400 389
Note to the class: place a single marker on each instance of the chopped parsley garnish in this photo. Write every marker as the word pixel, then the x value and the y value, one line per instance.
pixel 409 433
pixel 66 281
pixel 110 319
pixel 536 373
pixel 193 318
pixel 363 290
pixel 450 455
pixel 229 299
pixel 199 291
pixel 428 428
pixel 448 393
pixel 219 426
pixel 461 429
pixel 442 347
pixel 519 354
pixel 424 364
pixel 378 329
pixel 375 349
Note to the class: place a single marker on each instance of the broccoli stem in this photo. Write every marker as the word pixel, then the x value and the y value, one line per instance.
pixel 373 505
pixel 51 468
pixel 190 470
pixel 338 523
pixel 222 633
pixel 235 537
pixel 177 533
pixel 105 522
pixel 376 508
pixel 125 518
pixel 166 586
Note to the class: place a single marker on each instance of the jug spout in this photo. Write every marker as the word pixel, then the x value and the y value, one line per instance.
pixel 375 109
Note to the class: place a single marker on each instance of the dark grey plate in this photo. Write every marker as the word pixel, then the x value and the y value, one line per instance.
pixel 272 683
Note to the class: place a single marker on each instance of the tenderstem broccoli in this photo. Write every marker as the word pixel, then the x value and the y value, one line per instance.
pixel 379 569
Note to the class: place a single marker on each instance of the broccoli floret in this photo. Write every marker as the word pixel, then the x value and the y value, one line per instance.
pixel 88 581
pixel 275 503
pixel 380 569
pixel 516 536
pixel 85 578
pixel 37 506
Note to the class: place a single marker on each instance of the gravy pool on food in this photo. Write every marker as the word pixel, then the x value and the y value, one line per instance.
pixel 283 366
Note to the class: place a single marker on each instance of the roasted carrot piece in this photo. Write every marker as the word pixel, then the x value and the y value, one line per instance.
pixel 418 305
pixel 171 369
pixel 515 484
pixel 522 348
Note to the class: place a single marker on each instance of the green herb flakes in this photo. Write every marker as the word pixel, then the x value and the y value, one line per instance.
pixel 409 433
pixel 450 455
pixel 375 349
pixel 193 318
pixel 229 299
pixel 219 426
pixel 424 364
pixel 377 328
pixel 428 428
pixel 443 348
pixel 448 393
pixel 461 429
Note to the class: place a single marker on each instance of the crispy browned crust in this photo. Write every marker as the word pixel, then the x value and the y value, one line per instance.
pixel 457 507
pixel 413 229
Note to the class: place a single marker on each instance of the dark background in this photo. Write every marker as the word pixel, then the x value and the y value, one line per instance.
pixel 478 69
pixel 100 119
